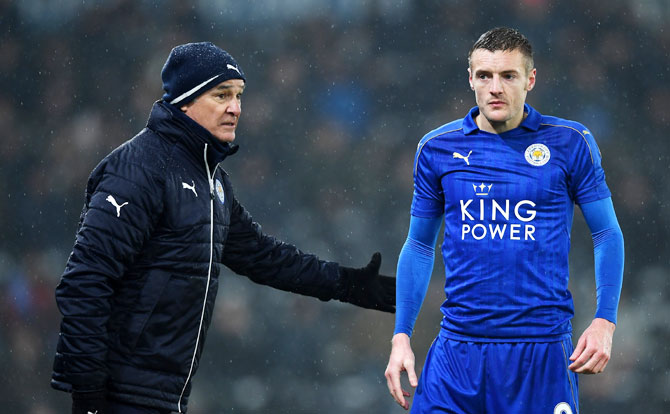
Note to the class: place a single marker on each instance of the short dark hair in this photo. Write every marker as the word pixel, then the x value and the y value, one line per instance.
pixel 505 39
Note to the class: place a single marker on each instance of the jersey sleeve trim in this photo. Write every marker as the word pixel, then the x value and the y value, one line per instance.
pixel 421 145
pixel 580 134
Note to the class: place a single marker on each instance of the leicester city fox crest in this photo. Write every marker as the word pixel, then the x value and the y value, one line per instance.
pixel 537 154
pixel 218 187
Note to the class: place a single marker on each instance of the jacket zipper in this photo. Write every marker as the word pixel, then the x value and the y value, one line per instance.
pixel 210 179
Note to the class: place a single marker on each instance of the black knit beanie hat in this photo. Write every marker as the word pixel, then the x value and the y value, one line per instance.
pixel 193 68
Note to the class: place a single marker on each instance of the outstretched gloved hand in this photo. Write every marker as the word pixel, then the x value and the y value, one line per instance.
pixel 366 288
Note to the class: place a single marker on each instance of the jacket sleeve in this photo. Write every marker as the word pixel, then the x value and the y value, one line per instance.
pixel 123 201
pixel 268 261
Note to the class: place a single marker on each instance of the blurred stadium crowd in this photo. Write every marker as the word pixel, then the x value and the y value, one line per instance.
pixel 338 95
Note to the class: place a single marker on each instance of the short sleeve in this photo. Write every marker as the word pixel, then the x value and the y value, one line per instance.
pixel 428 198
pixel 587 177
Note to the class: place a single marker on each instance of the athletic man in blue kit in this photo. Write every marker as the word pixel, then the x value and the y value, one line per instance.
pixel 506 179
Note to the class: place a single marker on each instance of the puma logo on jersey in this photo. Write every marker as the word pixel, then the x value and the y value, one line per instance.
pixel 111 199
pixel 189 187
pixel 463 157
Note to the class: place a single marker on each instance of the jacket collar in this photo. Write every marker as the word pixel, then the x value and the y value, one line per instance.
pixel 169 121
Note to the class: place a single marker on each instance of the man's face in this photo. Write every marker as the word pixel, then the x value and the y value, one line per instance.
pixel 218 109
pixel 501 80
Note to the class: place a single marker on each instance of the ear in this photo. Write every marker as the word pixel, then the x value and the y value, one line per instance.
pixel 470 79
pixel 184 107
pixel 531 80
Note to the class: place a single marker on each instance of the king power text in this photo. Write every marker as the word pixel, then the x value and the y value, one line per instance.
pixel 488 211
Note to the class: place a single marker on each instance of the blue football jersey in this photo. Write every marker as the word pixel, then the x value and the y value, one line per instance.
pixel 508 201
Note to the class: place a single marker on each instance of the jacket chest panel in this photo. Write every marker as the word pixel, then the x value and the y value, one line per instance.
pixel 188 202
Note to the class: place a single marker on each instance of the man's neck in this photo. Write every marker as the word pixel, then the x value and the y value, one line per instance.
pixel 498 127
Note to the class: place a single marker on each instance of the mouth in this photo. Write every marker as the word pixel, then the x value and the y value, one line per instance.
pixel 496 103
pixel 229 124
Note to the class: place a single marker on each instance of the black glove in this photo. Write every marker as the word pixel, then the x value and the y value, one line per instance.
pixel 366 288
pixel 89 402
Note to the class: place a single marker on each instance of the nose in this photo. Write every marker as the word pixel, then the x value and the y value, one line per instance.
pixel 235 107
pixel 495 85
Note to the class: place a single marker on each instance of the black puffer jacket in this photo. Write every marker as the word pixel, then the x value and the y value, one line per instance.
pixel 137 295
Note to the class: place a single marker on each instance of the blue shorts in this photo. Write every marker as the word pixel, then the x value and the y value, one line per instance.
pixel 489 378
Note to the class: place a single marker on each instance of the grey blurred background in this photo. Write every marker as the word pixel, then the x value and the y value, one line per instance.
pixel 339 93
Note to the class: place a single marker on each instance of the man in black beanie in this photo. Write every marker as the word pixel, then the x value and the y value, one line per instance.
pixel 160 220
